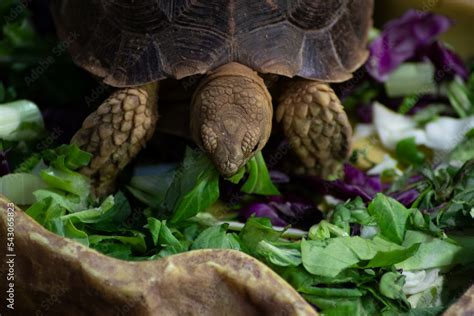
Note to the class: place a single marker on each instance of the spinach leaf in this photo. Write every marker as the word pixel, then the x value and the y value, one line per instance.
pixel 329 257
pixel 216 237
pixel 408 153
pixel 259 181
pixel 432 253
pixel 391 285
pixel 280 254
pixel 391 217
pixel 168 242
pixel 195 187
pixel 255 230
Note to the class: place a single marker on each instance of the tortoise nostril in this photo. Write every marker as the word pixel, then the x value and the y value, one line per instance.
pixel 232 166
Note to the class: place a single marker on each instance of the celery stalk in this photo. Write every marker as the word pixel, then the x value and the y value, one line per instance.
pixel 20 120
pixel 411 79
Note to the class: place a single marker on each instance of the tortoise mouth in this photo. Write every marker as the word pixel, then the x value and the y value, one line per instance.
pixel 230 167
pixel 227 160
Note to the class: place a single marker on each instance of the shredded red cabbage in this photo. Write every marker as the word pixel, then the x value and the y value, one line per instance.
pixel 446 61
pixel 282 211
pixel 355 183
pixel 402 39
pixel 4 166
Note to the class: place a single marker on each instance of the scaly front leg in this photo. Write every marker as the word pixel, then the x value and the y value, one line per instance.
pixel 316 126
pixel 116 132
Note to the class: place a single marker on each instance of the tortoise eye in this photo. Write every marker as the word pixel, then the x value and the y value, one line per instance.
pixel 247 143
pixel 208 138
pixel 255 147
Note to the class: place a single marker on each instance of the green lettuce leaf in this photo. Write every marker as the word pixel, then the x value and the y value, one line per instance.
pixel 432 253
pixel 280 254
pixel 19 187
pixel 391 217
pixel 328 258
pixel 259 181
pixel 194 188
pixel 216 237
pixel 255 230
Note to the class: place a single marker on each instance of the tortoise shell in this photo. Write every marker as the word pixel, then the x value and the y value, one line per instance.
pixel 133 42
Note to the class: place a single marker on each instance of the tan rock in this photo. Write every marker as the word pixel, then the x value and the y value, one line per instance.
pixel 57 276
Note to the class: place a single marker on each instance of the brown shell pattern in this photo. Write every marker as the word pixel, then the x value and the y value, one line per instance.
pixel 132 42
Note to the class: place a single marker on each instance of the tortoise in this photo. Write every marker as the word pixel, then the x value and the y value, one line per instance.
pixel 135 45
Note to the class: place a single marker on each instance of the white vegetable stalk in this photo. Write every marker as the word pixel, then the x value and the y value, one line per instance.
pixel 20 120
pixel 388 163
pixel 419 281
pixel 411 78
pixel 288 233
pixel 442 135
pixel 19 187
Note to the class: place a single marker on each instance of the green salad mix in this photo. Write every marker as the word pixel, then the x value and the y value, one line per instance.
pixel 394 236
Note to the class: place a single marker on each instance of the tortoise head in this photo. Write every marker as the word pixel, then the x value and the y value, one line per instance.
pixel 231 116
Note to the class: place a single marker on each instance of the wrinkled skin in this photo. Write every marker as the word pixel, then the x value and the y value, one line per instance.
pixel 231 116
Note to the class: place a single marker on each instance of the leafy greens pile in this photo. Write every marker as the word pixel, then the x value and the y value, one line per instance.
pixel 361 259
